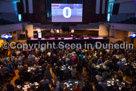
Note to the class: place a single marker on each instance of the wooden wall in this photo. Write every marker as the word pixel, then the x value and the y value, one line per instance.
pixel 39 12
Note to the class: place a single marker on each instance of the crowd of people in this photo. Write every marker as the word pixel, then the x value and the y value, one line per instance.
pixel 91 67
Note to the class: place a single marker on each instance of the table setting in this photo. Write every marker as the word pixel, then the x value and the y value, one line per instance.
pixel 71 84
pixel 115 82
pixel 27 86
pixel 62 68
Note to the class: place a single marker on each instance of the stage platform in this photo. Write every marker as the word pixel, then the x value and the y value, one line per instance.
pixel 69 40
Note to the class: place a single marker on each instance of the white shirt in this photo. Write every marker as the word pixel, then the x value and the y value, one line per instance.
pixel 123 60
pixel 98 77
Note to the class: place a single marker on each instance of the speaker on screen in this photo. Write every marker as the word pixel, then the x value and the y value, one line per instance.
pixel 66 12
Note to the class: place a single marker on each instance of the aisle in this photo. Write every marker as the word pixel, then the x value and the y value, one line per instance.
pixel 14 78
pixel 52 74
pixel 17 76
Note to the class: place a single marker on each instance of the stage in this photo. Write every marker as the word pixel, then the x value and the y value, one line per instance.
pixel 69 40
